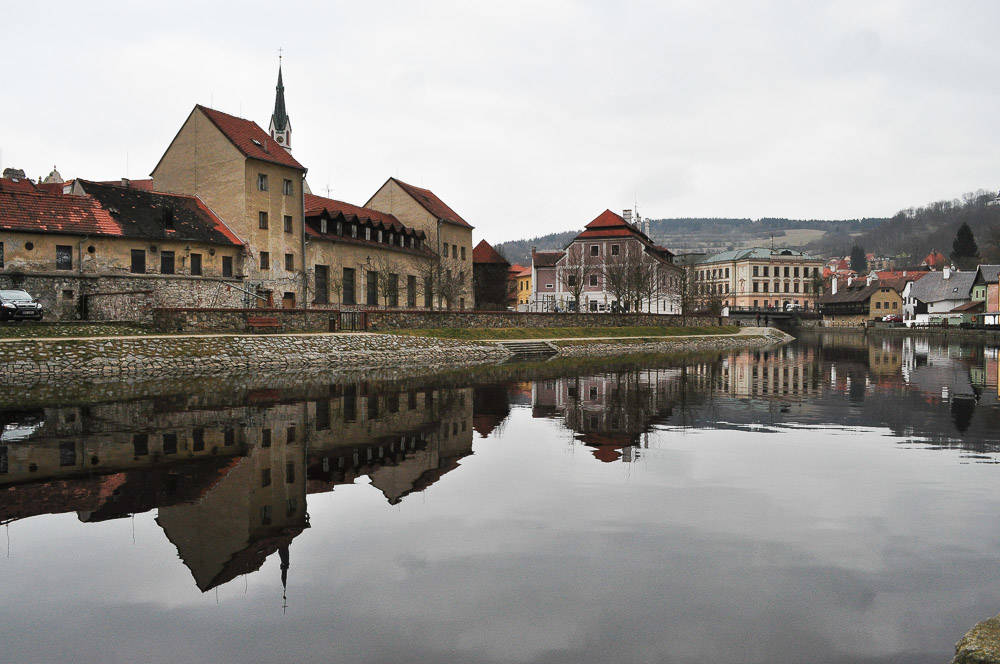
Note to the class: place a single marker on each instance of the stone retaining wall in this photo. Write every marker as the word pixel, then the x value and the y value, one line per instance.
pixel 71 360
pixel 418 319
pixel 237 320
pixel 674 345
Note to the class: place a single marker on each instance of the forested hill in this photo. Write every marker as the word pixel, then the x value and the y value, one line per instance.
pixel 709 235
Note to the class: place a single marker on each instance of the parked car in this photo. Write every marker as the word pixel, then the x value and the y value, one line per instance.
pixel 892 318
pixel 18 305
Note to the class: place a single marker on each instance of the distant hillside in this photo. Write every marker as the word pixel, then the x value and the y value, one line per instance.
pixel 519 251
pixel 710 235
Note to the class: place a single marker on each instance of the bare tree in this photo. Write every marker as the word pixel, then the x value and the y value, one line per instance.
pixel 387 278
pixel 575 272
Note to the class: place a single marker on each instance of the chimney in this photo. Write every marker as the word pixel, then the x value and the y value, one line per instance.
pixel 868 281
pixel 627 215
pixel 850 280
pixel 946 272
pixel 125 182
pixel 833 285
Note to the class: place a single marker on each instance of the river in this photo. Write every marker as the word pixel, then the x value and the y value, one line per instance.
pixel 834 500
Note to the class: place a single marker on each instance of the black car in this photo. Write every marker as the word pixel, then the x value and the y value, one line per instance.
pixel 18 305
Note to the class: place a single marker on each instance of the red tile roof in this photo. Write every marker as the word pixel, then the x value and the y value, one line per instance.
pixel 484 253
pixel 517 270
pixel 430 202
pixel 20 184
pixel 249 138
pixel 316 204
pixel 935 258
pixel 55 213
pixel 911 275
pixel 546 258
pixel 50 187
pixel 608 219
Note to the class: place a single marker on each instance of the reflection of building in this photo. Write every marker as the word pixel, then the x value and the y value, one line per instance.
pixel 609 412
pixel 229 477
pixel 784 372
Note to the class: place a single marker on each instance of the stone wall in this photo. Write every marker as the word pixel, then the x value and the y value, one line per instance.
pixel 55 361
pixel 130 297
pixel 417 319
pixel 237 320
pixel 319 320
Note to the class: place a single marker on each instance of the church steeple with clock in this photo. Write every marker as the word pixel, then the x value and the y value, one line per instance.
pixel 281 126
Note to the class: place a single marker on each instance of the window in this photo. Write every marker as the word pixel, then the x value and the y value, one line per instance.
pixel 428 293
pixel 765 270
pixel 461 303
pixel 265 437
pixel 349 296
pixel 289 473
pixel 372 286
pixel 756 270
pixel 265 477
pixel 140 444
pixel 265 260
pixel 261 219
pixel 463 253
pixel 593 305
pixel 64 257
pixel 454 251
pixel 288 223
pixel 198 440
pixel 595 250
pixel 795 271
pixel 261 182
pixel 786 270
pixel 878 305
pixel 593 280
pixel 227 266
pixel 196 264
pixel 170 443
pixel 322 226
pixel 67 295
pixel 411 291
pixel 614 249
pixel 289 262
pixel 368 234
pixel 286 188
pixel 1 255
pixel 393 288
pixel 571 280
pixel 166 262
pixel 290 436
pixel 444 245
pixel 322 273
pixel 138 261
pixel 229 437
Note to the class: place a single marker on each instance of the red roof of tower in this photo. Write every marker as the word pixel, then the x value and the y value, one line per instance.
pixel 484 253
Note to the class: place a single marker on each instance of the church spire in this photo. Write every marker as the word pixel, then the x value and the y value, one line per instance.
pixel 281 126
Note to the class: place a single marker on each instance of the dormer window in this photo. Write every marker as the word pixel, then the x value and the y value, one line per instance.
pixel 368 233
pixel 340 228
pixel 354 230
pixel 322 226
pixel 168 218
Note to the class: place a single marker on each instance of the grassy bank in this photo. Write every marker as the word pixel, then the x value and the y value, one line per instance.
pixel 489 333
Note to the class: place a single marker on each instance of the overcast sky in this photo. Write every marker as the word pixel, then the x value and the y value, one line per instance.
pixel 530 117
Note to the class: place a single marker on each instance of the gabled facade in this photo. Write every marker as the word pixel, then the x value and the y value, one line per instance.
pixel 253 184
pixel 610 266
pixel 490 273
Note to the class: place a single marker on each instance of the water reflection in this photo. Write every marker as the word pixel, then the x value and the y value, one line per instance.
pixel 230 475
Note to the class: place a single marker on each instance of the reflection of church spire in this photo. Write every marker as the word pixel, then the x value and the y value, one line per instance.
pixel 283 554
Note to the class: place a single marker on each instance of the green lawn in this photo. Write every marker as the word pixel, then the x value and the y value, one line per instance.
pixel 562 332
pixel 33 330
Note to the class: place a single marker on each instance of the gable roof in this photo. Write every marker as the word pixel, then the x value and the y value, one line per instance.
pixel 934 287
pixel 858 292
pixel 142 214
pixel 430 202
pixel 485 253
pixel 35 212
pixel 609 224
pixel 988 274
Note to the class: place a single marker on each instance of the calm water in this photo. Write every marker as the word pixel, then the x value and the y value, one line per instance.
pixel 834 501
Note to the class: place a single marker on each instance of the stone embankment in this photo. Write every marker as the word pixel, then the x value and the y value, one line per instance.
pixel 109 358
pixel 52 361
pixel 981 645
pixel 748 338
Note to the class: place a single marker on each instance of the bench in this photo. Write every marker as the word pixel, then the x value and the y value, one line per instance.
pixel 263 324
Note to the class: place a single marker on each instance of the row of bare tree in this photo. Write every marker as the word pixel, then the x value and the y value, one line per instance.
pixel 442 279
pixel 631 277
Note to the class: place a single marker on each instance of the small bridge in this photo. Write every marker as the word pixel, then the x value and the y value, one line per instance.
pixel 779 318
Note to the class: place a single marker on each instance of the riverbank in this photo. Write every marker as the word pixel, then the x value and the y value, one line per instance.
pixel 980 645
pixel 55 361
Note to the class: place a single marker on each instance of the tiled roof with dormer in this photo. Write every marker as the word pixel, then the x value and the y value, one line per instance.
pixel 249 138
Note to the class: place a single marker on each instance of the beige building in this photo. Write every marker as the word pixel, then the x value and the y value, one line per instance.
pixel 759 278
